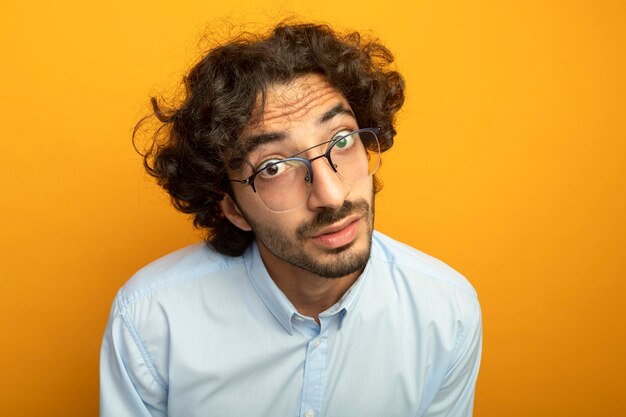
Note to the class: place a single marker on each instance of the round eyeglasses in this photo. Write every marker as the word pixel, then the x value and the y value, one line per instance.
pixel 284 184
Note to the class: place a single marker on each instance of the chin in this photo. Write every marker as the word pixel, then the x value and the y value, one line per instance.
pixel 341 261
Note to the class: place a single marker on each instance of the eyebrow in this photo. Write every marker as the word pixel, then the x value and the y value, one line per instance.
pixel 254 141
pixel 338 109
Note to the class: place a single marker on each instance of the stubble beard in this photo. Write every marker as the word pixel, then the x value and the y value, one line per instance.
pixel 346 260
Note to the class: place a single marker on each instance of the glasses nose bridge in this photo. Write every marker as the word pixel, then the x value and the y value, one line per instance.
pixel 326 156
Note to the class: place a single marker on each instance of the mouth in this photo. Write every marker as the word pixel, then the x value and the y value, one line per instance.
pixel 340 234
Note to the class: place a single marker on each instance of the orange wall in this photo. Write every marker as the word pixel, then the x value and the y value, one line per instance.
pixel 509 165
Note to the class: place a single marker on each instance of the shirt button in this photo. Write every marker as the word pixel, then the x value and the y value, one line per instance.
pixel 309 413
pixel 298 318
pixel 316 344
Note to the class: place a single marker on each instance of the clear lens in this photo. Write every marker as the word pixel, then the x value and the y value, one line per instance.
pixel 356 156
pixel 284 184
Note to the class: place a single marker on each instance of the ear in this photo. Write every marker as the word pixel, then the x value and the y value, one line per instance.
pixel 233 214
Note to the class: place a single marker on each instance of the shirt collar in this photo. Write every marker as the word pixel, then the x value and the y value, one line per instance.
pixel 278 303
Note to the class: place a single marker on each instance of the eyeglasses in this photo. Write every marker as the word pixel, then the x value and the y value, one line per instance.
pixel 284 184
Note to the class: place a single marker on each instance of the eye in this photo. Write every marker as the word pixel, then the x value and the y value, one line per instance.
pixel 343 140
pixel 271 168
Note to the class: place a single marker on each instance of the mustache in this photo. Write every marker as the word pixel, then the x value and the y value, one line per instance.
pixel 326 217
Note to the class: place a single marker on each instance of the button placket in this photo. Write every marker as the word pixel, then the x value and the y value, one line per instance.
pixel 314 374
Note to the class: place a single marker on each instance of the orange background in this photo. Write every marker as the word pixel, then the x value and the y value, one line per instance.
pixel 509 165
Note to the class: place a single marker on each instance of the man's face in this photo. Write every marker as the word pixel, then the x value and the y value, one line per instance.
pixel 329 234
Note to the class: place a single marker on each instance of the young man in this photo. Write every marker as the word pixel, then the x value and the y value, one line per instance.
pixel 294 306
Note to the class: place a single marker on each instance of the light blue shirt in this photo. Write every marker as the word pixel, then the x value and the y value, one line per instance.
pixel 197 333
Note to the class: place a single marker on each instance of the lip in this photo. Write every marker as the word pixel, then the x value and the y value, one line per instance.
pixel 340 234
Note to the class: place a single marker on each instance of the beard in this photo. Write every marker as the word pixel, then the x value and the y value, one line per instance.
pixel 346 259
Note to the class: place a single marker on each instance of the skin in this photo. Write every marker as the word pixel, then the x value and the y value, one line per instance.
pixel 316 251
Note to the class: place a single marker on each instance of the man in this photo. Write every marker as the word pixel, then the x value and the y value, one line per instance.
pixel 294 306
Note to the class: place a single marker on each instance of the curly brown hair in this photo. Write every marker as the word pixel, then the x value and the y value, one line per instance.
pixel 196 140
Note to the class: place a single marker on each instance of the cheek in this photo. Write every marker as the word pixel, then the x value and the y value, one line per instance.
pixel 363 190
pixel 288 222
pixel 266 221
pixel 249 202
pixel 252 210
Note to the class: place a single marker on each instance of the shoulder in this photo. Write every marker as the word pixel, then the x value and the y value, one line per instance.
pixel 408 263
pixel 159 301
pixel 428 289
pixel 436 297
pixel 197 264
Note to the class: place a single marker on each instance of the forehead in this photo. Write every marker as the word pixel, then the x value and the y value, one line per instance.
pixel 300 101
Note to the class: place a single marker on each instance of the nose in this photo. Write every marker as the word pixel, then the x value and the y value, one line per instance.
pixel 327 189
